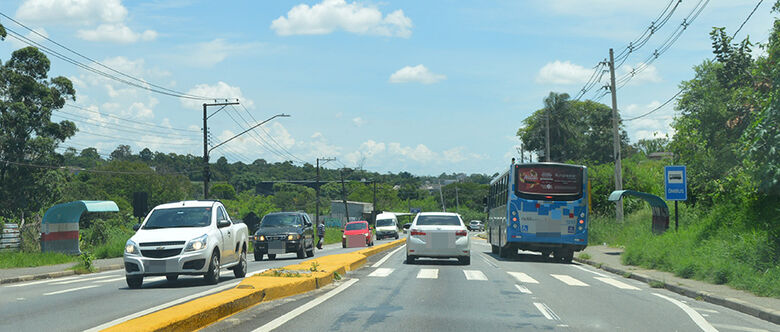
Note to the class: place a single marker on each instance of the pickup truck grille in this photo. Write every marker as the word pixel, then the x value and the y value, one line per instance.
pixel 158 244
pixel 165 253
pixel 276 237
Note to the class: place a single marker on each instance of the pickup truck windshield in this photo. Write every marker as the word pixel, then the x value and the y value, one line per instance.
pixel 179 217
pixel 384 222
pixel 278 220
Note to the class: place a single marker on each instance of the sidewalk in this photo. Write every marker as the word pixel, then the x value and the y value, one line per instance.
pixel 608 259
pixel 55 271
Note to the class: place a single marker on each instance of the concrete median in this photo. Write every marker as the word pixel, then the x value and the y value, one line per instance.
pixel 270 285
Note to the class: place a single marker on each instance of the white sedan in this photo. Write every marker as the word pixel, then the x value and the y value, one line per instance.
pixel 438 235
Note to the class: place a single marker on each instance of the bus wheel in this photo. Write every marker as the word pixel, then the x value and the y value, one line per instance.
pixel 564 255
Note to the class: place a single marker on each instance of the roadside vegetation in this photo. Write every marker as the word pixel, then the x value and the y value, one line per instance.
pixel 26 259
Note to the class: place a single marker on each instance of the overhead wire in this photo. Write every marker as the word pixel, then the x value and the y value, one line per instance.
pixel 80 169
pixel 271 136
pixel 257 139
pixel 156 88
pixel 131 120
pixel 115 126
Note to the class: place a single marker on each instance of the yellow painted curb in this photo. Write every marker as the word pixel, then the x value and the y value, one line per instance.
pixel 203 311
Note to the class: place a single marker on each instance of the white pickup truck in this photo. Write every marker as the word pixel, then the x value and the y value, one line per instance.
pixel 190 238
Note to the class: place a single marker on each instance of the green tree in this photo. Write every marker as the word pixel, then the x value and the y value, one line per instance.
pixel 27 134
pixel 223 191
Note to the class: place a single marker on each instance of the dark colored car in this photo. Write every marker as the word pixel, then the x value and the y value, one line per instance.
pixel 284 232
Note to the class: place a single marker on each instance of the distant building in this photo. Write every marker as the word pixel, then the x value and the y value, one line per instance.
pixel 357 211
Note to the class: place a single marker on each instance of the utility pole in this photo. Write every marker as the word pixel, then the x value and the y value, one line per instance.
pixel 441 196
pixel 344 196
pixel 616 138
pixel 206 174
pixel 317 188
pixel 373 215
pixel 547 135
pixel 457 203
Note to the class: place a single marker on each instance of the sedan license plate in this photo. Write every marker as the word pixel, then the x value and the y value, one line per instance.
pixel 154 266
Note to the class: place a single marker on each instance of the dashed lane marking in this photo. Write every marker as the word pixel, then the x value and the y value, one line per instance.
pixel 428 274
pixel 616 283
pixel 69 290
pixel 546 311
pixel 109 280
pixel 474 275
pixel 522 289
pixel 378 263
pixel 79 280
pixel 568 280
pixel 381 272
pixel 524 278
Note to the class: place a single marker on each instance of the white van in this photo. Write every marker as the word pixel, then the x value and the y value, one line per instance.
pixel 386 226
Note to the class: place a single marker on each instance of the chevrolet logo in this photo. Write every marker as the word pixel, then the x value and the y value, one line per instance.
pixel 160 248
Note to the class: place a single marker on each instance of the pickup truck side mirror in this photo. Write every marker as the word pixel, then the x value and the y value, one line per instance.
pixel 136 227
pixel 223 223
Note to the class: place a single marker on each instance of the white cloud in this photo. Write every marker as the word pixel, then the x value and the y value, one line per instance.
pixel 368 150
pixel 115 33
pixel 82 12
pixel 17 44
pixel 420 153
pixel 358 121
pixel 208 54
pixel 563 73
pixel 141 111
pixel 331 15
pixel 221 90
pixel 419 74
pixel 654 125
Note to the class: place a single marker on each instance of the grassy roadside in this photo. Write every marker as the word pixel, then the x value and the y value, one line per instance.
pixel 711 246
pixel 23 259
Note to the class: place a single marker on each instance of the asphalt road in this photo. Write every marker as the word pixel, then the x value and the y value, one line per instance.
pixel 491 294
pixel 99 300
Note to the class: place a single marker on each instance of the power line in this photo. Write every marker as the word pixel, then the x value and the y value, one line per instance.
pixel 748 18
pixel 79 169
pixel 130 120
pixel 114 126
pixel 655 109
pixel 138 140
pixel 158 88
pixel 271 136
pixel 260 141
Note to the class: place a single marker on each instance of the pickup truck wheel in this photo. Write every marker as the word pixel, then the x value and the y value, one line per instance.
pixel 134 282
pixel 240 270
pixel 271 256
pixel 396 235
pixel 172 277
pixel 258 256
pixel 212 275
pixel 300 252
pixel 310 252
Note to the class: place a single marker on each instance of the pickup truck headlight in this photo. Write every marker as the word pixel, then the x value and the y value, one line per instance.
pixel 197 243
pixel 131 248
pixel 260 238
pixel 293 237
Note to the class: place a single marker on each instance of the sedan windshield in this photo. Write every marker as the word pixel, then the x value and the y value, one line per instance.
pixel 179 217
pixel 384 222
pixel 280 220
pixel 357 226
pixel 438 220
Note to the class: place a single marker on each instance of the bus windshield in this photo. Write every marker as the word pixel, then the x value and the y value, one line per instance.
pixel 544 180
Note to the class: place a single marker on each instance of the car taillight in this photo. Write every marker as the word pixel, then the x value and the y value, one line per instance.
pixel 416 232
pixel 461 233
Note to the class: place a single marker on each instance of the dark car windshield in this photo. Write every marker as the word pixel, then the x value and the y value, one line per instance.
pixel 356 226
pixel 384 222
pixel 179 217
pixel 280 220
pixel 438 220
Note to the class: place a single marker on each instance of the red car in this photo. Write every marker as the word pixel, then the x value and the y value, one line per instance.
pixel 357 234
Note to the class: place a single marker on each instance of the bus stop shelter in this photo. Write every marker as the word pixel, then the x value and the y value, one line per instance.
pixel 60 225
pixel 658 205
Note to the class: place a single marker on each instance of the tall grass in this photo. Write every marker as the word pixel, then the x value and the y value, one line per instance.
pixel 719 245
pixel 32 259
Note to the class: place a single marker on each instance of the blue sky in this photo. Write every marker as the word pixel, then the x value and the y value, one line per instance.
pixel 419 86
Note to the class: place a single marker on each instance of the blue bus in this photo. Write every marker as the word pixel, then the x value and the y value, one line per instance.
pixel 539 207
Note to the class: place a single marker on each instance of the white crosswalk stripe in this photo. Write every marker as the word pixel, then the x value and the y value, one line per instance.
pixel 474 275
pixel 616 283
pixel 381 272
pixel 428 274
pixel 568 280
pixel 524 278
pixel 522 289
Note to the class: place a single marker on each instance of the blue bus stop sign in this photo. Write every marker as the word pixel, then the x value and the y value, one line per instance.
pixel 675 183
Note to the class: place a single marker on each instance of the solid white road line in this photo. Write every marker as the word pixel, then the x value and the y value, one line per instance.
pixel 546 311
pixel 695 316
pixel 568 280
pixel 522 277
pixel 591 271
pixel 69 290
pixel 705 310
pixel 109 280
pixel 79 280
pixel 42 281
pixel 428 274
pixel 378 263
pixel 474 275
pixel 738 328
pixel 522 289
pixel 381 272
pixel 616 283
pixel 169 304
pixel 281 320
